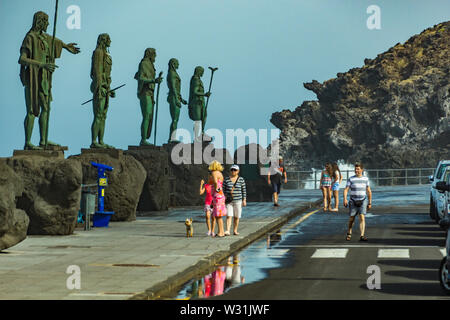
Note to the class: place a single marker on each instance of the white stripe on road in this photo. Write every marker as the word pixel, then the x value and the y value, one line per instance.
pixel 330 253
pixel 393 253
pixel 351 246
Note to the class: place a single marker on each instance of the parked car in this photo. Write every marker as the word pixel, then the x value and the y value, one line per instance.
pixel 444 188
pixel 434 194
pixel 442 196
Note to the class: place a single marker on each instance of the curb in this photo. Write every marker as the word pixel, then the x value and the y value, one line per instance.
pixel 169 286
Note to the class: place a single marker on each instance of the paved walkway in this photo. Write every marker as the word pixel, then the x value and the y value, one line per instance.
pixel 143 259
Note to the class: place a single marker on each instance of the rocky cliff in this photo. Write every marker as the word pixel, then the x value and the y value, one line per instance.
pixel 392 112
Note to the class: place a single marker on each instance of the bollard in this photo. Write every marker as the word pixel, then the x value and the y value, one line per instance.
pixel 87 204
pixel 101 217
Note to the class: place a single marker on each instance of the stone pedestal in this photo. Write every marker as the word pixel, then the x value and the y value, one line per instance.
pixel 114 153
pixel 59 154
pixel 156 191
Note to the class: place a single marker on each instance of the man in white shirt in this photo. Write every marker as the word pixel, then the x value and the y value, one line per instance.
pixel 360 200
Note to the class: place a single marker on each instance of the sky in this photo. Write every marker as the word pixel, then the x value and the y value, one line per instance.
pixel 265 50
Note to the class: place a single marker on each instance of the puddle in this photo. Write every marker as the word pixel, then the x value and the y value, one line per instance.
pixel 247 266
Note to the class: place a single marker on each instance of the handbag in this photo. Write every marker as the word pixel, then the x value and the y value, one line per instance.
pixel 228 200
pixel 358 203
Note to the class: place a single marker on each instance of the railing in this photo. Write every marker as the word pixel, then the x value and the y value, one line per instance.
pixel 298 179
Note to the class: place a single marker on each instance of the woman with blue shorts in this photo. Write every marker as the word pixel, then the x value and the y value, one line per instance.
pixel 337 178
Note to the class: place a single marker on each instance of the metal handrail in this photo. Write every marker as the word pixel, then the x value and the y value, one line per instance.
pixel 373 174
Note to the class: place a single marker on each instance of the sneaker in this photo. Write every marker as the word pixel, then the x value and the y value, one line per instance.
pixel 208 233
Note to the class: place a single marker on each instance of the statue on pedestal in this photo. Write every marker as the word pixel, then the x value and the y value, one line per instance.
pixel 145 92
pixel 197 110
pixel 37 65
pixel 174 97
pixel 100 87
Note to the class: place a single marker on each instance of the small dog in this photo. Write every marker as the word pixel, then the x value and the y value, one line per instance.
pixel 189 228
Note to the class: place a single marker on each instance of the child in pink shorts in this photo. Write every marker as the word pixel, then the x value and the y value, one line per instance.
pixel 208 203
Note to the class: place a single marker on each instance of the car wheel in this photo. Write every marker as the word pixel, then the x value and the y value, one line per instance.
pixel 443 276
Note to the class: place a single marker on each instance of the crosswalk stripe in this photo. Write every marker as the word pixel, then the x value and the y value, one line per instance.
pixel 393 253
pixel 330 253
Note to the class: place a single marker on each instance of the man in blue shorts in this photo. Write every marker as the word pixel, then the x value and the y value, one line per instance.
pixel 274 179
pixel 360 200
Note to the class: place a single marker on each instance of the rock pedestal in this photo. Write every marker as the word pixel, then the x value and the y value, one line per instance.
pixel 52 191
pixel 125 182
pixel 155 193
pixel 13 221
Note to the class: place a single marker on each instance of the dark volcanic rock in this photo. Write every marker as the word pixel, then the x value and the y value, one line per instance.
pixel 125 182
pixel 155 194
pixel 13 222
pixel 52 193
pixel 186 175
pixel 251 165
pixel 392 112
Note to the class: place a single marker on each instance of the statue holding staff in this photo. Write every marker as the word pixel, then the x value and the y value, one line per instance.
pixel 174 97
pixel 145 92
pixel 37 66
pixel 197 111
pixel 100 87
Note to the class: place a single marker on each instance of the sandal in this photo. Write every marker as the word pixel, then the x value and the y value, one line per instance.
pixel 227 233
pixel 363 238
pixel 349 236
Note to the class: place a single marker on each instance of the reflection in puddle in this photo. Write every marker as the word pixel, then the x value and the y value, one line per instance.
pixel 247 266
pixel 217 282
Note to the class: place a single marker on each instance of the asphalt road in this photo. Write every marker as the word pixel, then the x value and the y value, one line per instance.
pixel 314 261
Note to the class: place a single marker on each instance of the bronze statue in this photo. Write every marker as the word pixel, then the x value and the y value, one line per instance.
pixel 197 110
pixel 145 92
pixel 100 87
pixel 174 97
pixel 37 66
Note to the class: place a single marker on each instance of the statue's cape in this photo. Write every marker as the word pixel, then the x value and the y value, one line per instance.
pixel 34 79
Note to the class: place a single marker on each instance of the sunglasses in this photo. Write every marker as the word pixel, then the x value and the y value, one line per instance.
pixel 234 170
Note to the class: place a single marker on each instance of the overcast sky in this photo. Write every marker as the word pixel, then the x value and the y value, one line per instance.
pixel 264 49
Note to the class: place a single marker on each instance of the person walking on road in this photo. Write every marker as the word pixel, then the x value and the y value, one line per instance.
pixel 236 198
pixel 208 202
pixel 274 179
pixel 360 200
pixel 219 207
pixel 325 186
pixel 337 179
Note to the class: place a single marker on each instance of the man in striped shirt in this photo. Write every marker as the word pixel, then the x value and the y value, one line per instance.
pixel 360 200
pixel 236 191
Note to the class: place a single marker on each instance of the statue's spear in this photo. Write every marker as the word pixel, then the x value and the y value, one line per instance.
pixel 156 113
pixel 52 60
pixel 207 99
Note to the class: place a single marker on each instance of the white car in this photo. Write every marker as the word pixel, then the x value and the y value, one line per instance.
pixel 443 187
pixel 436 196
pixel 442 197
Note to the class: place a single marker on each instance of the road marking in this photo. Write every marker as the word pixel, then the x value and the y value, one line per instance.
pixel 393 253
pixel 352 246
pixel 303 218
pixel 330 253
